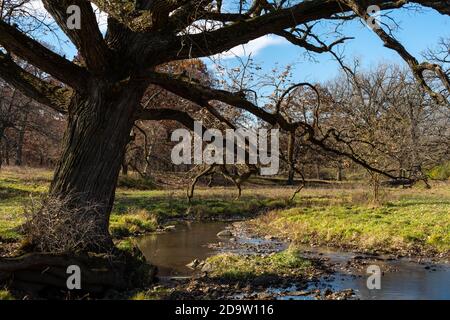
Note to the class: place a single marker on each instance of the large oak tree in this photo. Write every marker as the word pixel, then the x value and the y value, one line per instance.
pixel 102 94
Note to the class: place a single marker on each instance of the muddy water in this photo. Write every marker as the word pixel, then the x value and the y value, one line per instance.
pixel 401 279
pixel 171 251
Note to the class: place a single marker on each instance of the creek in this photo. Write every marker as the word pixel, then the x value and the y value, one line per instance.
pixel 401 279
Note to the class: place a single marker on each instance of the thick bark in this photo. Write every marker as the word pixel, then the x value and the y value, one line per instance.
pixel 125 168
pixel 98 131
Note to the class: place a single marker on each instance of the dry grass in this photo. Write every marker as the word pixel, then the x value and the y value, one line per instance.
pixel 55 225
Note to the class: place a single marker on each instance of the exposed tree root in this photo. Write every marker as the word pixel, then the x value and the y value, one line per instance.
pixel 45 274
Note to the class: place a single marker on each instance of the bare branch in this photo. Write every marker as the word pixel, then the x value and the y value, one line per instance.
pixel 87 39
pixel 417 68
pixel 202 94
pixel 302 42
pixel 48 94
pixel 35 53
pixel 213 42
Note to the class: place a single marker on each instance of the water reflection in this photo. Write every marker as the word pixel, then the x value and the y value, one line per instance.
pixel 411 281
pixel 173 250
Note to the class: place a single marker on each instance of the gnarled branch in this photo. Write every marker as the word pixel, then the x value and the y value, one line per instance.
pixel 88 38
pixel 46 93
pixel 35 53
pixel 417 68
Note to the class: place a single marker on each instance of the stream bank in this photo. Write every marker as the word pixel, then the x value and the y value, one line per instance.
pixel 331 274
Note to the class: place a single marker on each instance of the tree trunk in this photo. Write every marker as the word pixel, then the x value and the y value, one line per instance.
pixel 291 160
pixel 21 138
pixel 317 171
pixel 7 152
pixel 124 168
pixel 339 173
pixel 95 141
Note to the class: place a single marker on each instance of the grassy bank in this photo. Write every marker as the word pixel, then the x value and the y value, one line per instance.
pixel 230 275
pixel 247 267
pixel 138 211
pixel 413 221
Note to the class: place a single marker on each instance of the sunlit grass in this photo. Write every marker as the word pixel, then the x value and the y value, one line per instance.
pixel 241 267
pixel 413 221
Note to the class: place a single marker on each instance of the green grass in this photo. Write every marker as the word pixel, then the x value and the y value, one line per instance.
pixel 127 225
pixel 11 218
pixel 6 295
pixel 137 183
pixel 206 204
pixel 157 293
pixel 441 172
pixel 243 267
pixel 418 222
pixel 17 187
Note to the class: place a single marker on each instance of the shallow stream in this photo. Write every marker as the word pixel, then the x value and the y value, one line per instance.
pixel 401 279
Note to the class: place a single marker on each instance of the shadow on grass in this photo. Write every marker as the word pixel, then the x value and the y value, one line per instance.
pixel 172 208
pixel 419 202
pixel 9 192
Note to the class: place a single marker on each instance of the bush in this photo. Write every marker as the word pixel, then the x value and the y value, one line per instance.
pixel 132 224
pixel 54 224
pixel 6 295
pixel 441 172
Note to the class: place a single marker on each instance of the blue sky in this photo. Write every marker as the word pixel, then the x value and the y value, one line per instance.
pixel 418 31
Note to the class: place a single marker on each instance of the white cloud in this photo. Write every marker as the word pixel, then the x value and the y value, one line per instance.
pixel 102 18
pixel 35 5
pixel 254 47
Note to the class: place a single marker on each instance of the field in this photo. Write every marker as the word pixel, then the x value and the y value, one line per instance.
pixel 412 221
pixel 407 221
